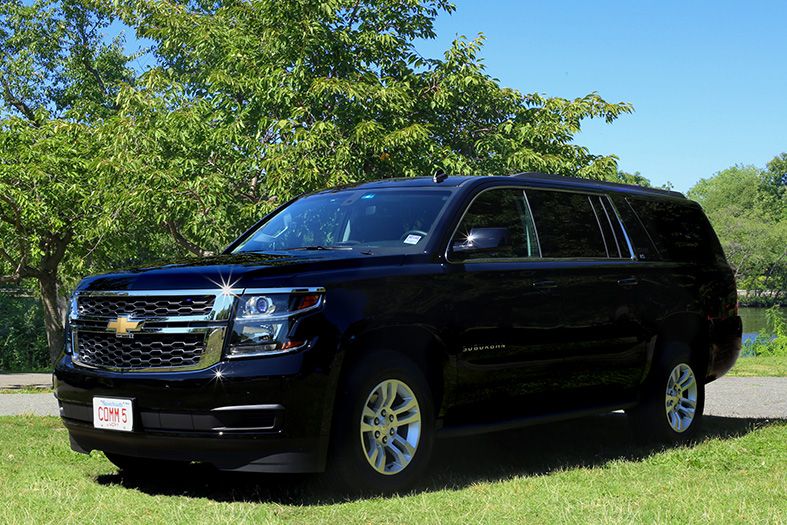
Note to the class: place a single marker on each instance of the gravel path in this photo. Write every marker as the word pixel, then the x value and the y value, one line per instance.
pixel 744 397
pixel 9 381
pixel 36 404
pixel 755 397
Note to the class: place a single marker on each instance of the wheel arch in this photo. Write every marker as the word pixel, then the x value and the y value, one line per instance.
pixel 415 342
pixel 689 328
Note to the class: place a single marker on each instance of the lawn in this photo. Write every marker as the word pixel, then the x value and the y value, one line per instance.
pixel 573 472
pixel 774 366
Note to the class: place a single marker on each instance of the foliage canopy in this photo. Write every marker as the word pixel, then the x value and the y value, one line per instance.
pixel 247 104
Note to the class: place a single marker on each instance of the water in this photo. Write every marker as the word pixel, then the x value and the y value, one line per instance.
pixel 754 321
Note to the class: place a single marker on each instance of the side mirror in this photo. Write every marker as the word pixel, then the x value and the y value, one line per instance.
pixel 481 240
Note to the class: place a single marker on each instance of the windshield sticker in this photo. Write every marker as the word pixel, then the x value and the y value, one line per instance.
pixel 412 239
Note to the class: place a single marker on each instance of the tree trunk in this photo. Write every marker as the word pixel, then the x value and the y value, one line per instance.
pixel 54 314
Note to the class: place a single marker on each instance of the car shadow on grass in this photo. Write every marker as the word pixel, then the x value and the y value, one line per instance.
pixel 456 463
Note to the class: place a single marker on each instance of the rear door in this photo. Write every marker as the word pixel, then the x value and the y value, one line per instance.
pixel 602 345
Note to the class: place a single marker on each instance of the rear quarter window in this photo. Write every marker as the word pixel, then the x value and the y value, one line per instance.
pixel 677 230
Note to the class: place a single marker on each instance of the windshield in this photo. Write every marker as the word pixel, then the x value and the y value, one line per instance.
pixel 389 221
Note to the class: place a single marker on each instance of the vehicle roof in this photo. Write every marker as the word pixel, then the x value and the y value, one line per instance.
pixel 539 179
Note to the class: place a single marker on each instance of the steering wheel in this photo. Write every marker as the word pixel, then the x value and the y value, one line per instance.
pixel 420 233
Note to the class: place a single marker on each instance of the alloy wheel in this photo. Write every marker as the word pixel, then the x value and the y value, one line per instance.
pixel 390 427
pixel 681 397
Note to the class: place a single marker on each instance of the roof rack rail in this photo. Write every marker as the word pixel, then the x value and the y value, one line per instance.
pixel 564 178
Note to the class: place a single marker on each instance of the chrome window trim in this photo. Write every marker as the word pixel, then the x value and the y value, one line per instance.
pixel 598 223
pixel 622 228
pixel 612 228
pixel 524 188
pixel 447 250
pixel 535 226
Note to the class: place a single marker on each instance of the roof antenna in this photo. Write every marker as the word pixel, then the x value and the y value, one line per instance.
pixel 439 177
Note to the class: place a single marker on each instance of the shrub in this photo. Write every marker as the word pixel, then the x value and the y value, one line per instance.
pixel 23 345
pixel 770 342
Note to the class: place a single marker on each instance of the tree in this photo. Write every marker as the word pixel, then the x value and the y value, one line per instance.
pixel 253 102
pixel 58 83
pixel 748 210
pixel 249 103
pixel 632 178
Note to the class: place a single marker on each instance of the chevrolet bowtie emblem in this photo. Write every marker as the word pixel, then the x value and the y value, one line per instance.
pixel 123 327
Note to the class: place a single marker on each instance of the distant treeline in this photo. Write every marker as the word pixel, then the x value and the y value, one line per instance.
pixel 748 208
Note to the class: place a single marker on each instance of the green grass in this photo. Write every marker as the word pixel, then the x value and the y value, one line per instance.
pixel 573 472
pixel 774 366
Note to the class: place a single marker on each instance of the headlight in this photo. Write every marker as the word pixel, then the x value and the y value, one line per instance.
pixel 263 321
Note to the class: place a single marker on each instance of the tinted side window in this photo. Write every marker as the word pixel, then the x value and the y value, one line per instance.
pixel 679 230
pixel 498 214
pixel 640 239
pixel 567 224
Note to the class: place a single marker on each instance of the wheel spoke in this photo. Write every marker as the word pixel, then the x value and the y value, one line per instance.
pixel 368 413
pixel 686 380
pixel 390 394
pixel 404 445
pixel 366 427
pixel 688 412
pixel 408 404
pixel 400 458
pixel 379 459
pixel 412 417
pixel 674 420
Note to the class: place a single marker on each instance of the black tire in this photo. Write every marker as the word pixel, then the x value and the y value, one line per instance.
pixel 146 467
pixel 650 420
pixel 349 467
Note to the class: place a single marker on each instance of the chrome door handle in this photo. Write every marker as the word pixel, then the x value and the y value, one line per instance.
pixel 628 281
pixel 545 285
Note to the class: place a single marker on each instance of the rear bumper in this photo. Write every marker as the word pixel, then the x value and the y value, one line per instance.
pixel 725 346
pixel 262 415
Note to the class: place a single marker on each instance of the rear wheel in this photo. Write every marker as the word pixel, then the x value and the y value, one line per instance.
pixel 673 398
pixel 384 428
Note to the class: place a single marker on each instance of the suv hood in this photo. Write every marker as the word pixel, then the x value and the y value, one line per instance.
pixel 259 270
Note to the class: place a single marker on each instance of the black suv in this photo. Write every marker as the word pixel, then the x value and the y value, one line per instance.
pixel 350 327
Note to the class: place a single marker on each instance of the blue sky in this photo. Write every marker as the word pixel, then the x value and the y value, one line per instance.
pixel 708 80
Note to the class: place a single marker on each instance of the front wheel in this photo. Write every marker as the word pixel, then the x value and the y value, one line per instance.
pixel 385 425
pixel 673 399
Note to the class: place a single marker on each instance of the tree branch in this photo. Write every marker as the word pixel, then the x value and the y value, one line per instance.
pixel 19 104
pixel 55 249
pixel 21 269
pixel 184 242
pixel 87 61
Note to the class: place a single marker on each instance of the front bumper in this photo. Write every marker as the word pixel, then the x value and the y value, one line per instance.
pixel 260 415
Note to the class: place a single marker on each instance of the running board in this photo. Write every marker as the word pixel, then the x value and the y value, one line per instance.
pixel 526 421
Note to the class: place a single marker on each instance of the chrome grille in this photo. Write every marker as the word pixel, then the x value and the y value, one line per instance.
pixel 156 350
pixel 144 307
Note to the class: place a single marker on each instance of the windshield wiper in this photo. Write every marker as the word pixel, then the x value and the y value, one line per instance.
pixel 319 247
